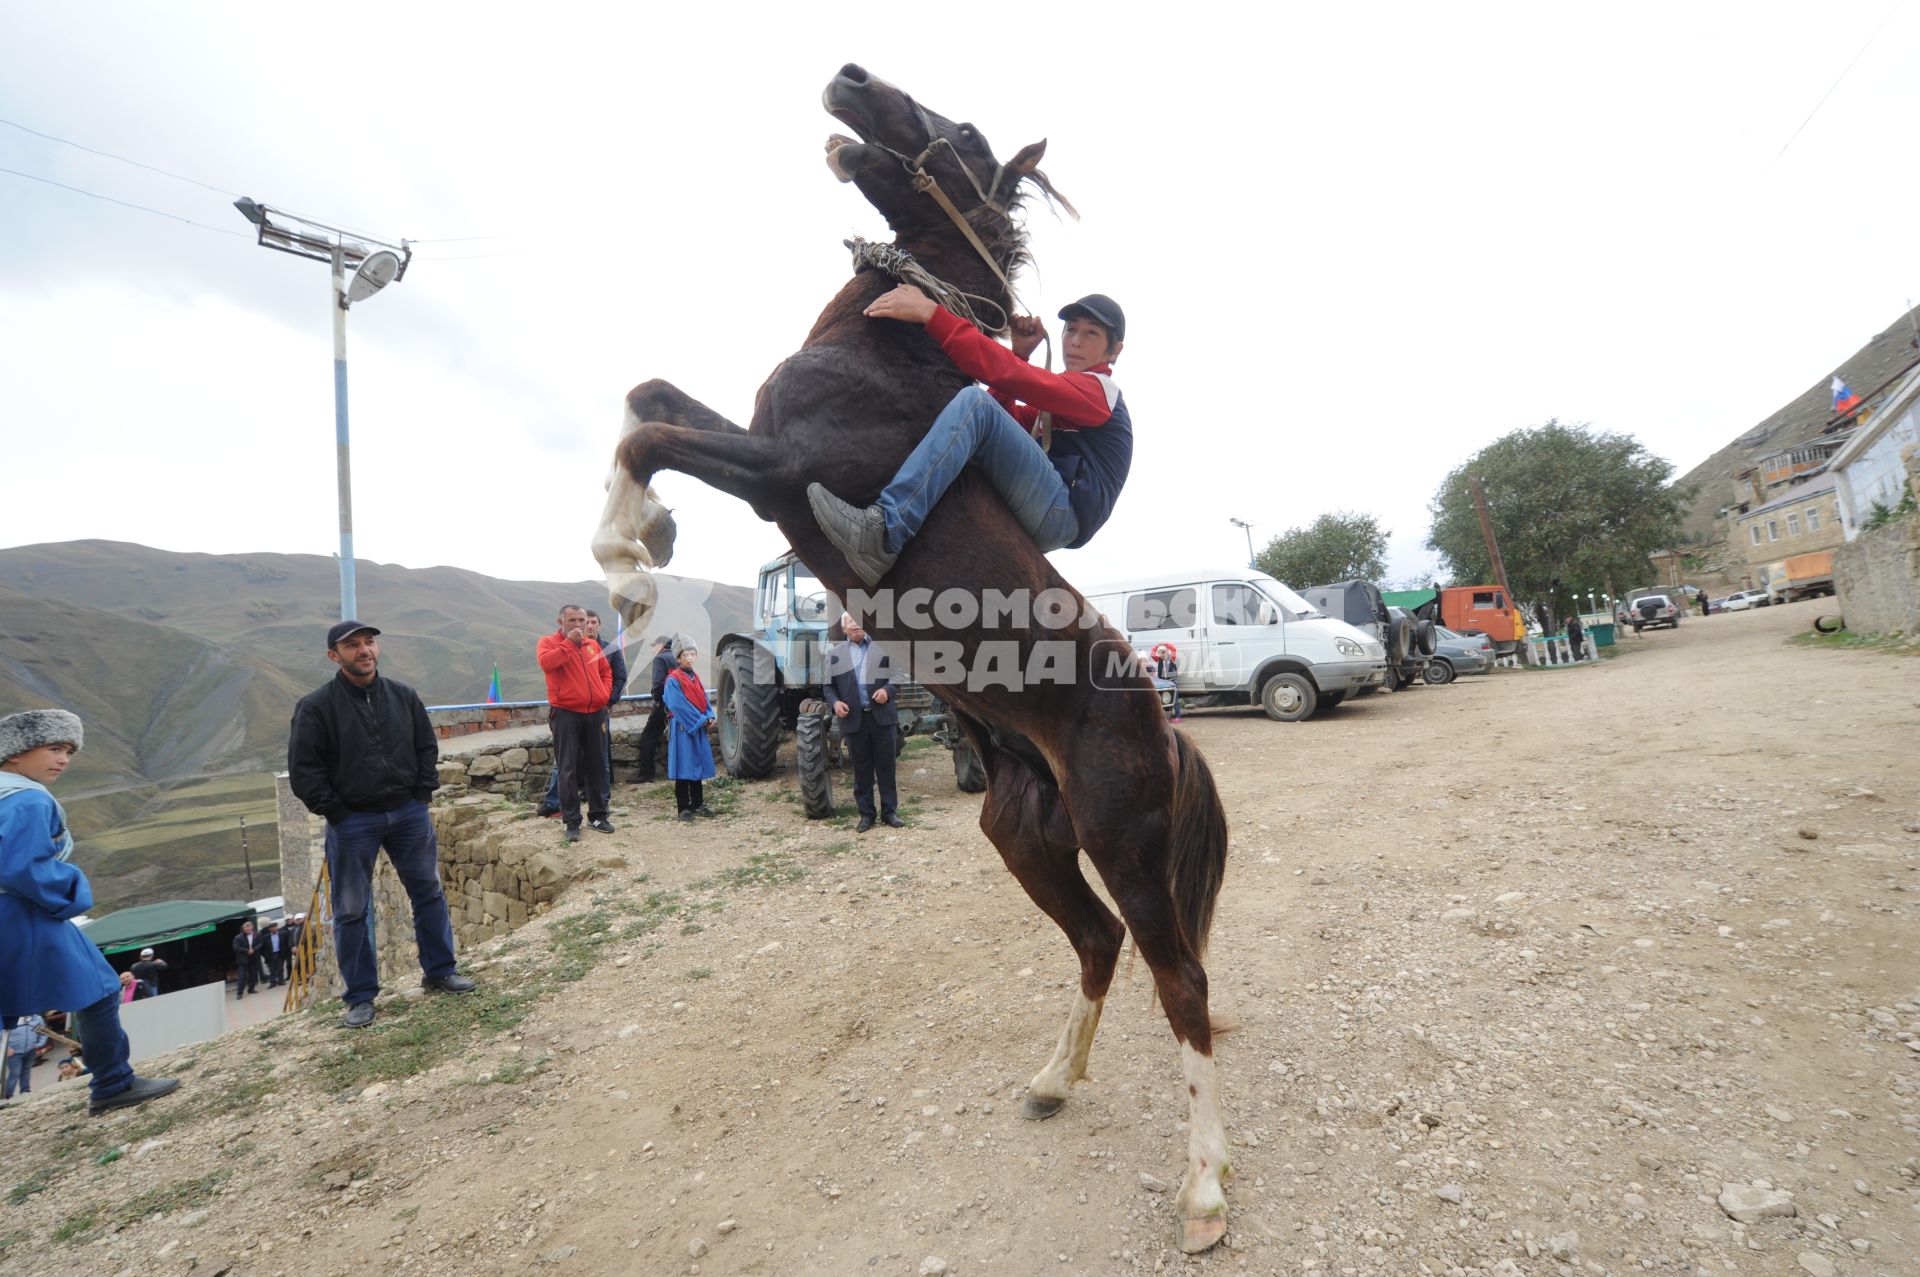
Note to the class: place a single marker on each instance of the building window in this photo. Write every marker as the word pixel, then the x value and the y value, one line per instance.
pixel 1813 518
pixel 1773 530
pixel 1793 525
pixel 1836 509
pixel 1754 531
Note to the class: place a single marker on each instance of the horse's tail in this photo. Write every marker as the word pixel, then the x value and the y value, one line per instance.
pixel 1197 854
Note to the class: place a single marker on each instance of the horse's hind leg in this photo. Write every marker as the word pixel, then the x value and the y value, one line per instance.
pixel 1024 818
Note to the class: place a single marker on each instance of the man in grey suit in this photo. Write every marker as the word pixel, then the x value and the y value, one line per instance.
pixel 856 687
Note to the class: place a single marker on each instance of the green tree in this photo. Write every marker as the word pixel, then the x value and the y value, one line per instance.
pixel 1341 546
pixel 1572 508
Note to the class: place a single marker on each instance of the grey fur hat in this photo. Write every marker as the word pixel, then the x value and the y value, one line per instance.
pixel 33 728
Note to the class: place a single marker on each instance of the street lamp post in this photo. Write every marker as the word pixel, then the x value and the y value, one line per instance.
pixel 374 264
pixel 1246 527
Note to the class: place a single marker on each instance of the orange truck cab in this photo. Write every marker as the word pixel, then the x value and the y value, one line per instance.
pixel 1469 609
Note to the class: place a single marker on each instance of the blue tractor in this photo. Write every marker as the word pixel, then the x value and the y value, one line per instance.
pixel 768 684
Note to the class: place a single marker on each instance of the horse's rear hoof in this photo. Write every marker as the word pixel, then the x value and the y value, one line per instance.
pixel 1038 1107
pixel 1197 1235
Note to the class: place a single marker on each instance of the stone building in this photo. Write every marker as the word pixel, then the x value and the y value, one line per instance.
pixel 1794 520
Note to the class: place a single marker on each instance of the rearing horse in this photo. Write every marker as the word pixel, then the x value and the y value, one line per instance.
pixel 1081 760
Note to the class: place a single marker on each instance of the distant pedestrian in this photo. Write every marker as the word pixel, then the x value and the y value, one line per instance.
pixel 650 735
pixel 1166 665
pixel 46 961
pixel 1576 636
pixel 246 957
pixel 578 680
pixel 276 952
pixel 1704 607
pixel 363 754
pixel 24 1041
pixel 148 970
pixel 689 752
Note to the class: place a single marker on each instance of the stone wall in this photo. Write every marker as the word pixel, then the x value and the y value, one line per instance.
pixel 1877 579
pixel 451 723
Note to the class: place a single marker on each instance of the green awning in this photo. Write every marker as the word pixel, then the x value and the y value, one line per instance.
pixel 145 925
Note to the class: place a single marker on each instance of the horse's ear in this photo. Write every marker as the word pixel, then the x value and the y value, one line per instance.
pixel 1026 166
pixel 1028 161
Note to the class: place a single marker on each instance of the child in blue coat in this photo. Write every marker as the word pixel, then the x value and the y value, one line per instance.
pixel 689 753
pixel 46 961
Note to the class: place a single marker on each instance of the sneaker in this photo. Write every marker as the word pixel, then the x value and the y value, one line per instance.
pixel 602 825
pixel 860 534
pixel 358 1016
pixel 573 833
pixel 455 983
pixel 687 816
pixel 142 1090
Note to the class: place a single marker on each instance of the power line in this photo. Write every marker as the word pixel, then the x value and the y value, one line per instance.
pixel 218 190
pixel 218 230
pixel 1843 75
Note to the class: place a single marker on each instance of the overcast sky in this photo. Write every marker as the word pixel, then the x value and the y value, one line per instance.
pixel 1355 244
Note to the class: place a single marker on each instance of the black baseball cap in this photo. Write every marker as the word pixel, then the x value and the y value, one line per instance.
pixel 345 628
pixel 1102 310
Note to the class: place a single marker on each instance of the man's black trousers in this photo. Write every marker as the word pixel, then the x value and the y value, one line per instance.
pixel 579 753
pixel 871 748
pixel 650 740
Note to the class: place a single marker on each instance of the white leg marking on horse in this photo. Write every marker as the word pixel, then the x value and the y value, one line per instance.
pixel 631 518
pixel 1203 1200
pixel 1069 1062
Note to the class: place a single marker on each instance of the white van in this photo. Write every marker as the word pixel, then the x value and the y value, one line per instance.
pixel 1244 637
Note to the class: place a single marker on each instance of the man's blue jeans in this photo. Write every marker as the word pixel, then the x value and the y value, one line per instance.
pixel 19 1075
pixel 352 847
pixel 974 427
pixel 103 1043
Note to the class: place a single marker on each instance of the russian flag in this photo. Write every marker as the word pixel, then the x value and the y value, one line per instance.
pixel 1844 400
pixel 493 688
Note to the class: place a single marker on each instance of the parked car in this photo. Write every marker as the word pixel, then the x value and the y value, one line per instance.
pixel 1244 637
pixel 1742 600
pixel 1653 609
pixel 1455 654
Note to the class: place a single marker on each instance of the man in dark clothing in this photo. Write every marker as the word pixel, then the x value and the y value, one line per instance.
pixel 1055 445
pixel 656 717
pixel 857 689
pixel 246 957
pixel 363 754
pixel 617 661
pixel 147 971
pixel 578 681
pixel 1576 636
pixel 275 951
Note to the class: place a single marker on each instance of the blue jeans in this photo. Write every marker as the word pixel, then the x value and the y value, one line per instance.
pixel 414 853
pixel 974 427
pixel 19 1074
pixel 104 1044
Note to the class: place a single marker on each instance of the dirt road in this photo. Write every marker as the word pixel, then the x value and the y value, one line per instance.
pixel 1524 972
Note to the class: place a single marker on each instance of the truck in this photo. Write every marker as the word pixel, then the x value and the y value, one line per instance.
pixel 1804 576
pixel 1407 639
pixel 767 684
pixel 1468 609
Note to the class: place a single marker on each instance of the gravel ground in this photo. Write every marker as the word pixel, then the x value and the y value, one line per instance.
pixel 1606 970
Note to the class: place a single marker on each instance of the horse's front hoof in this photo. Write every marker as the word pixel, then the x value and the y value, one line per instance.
pixel 1039 1107
pixel 1203 1234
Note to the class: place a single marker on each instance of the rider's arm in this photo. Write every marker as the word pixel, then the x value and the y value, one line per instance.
pixel 1075 398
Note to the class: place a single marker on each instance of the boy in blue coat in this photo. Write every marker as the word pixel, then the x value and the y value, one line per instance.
pixel 46 961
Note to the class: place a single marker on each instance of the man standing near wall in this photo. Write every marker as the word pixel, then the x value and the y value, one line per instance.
pixel 363 755
pixel 858 676
pixel 579 681
pixel 617 661
pixel 657 716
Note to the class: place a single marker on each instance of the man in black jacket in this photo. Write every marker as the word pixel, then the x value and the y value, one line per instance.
pixel 246 959
pixel 857 689
pixel 363 754
pixel 657 717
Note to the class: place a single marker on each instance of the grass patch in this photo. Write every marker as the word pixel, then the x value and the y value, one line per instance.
pixel 763 869
pixel 187 1194
pixel 80 1227
pixel 38 1182
pixel 700 973
pixel 839 847
pixel 430 1030
pixel 919 744
pixel 1850 640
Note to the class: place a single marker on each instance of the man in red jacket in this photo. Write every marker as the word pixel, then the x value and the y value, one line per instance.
pixel 1055 446
pixel 579 684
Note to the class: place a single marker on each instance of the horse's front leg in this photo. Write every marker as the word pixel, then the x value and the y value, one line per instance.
pixel 666 429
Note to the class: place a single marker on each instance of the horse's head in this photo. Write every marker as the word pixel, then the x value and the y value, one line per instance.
pixel 898 137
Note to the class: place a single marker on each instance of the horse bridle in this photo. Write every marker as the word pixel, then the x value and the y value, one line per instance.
pixel 925 182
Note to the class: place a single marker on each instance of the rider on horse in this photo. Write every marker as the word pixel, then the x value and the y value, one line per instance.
pixel 1062 495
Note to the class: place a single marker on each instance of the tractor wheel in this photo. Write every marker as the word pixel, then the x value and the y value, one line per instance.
pixel 811 732
pixel 969 773
pixel 748 714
